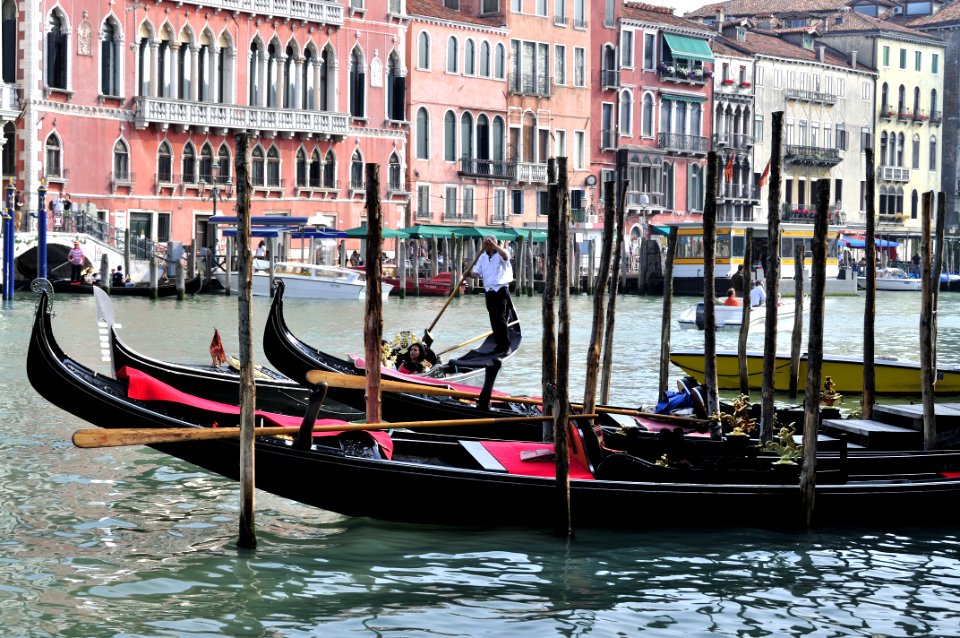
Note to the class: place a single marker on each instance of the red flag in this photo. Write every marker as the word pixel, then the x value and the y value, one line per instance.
pixel 216 350
pixel 765 174
pixel 728 171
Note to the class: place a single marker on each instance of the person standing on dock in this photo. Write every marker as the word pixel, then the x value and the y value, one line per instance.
pixel 495 269
pixel 757 296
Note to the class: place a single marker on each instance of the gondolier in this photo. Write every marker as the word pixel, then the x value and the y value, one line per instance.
pixel 497 273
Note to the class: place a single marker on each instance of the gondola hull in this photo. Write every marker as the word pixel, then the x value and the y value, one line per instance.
pixel 438 482
pixel 190 287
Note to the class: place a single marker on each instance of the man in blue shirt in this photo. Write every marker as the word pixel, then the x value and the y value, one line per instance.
pixel 497 273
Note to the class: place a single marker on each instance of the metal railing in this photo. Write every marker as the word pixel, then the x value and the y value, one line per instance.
pixel 522 84
pixel 732 140
pixel 811 155
pixel 739 191
pixel 610 78
pixel 681 143
pixel 490 169
pixel 635 198
pixel 810 96
pixel 113 237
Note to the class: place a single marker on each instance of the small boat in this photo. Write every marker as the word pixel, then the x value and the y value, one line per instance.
pixel 65 286
pixel 892 279
pixel 504 483
pixel 892 376
pixel 307 281
pixel 439 286
pixel 729 318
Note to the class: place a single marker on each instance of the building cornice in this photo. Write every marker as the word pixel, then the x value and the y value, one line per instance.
pixel 463 26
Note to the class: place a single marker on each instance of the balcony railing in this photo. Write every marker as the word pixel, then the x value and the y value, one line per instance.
pixel 808 215
pixel 170 112
pixel 920 116
pixel 485 168
pixel 739 191
pixel 307 10
pixel 680 71
pixel 579 23
pixel 654 200
pixel 894 174
pixel 810 96
pixel 610 78
pixel 531 172
pixel 679 143
pixel 732 140
pixel 887 112
pixel 936 118
pixel 811 155
pixel 905 114
pixel 560 21
pixel 522 84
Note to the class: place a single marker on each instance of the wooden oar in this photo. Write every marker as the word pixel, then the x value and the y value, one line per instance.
pixel 477 338
pixel 94 438
pixel 354 382
pixel 427 337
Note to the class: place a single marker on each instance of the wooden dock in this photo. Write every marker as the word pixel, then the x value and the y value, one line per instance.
pixel 897 427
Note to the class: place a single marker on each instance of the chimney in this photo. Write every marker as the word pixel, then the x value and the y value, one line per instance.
pixel 820 55
pixel 853 59
pixel 721 18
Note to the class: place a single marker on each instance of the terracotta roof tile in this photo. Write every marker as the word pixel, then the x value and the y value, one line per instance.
pixel 858 22
pixel 948 14
pixel 659 15
pixel 435 9
pixel 767 43
pixel 756 7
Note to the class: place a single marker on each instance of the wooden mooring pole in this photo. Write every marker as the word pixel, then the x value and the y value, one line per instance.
pixel 373 317
pixel 745 317
pixel 811 405
pixel 560 391
pixel 548 366
pixel 771 274
pixel 938 242
pixel 614 281
pixel 599 301
pixel 870 297
pixel 710 290
pixel 796 339
pixel 248 388
pixel 667 318
pixel 927 365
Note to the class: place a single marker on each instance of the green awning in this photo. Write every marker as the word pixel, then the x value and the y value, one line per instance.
pixel 483 231
pixel 360 232
pixel 682 98
pixel 539 236
pixel 684 46
pixel 426 231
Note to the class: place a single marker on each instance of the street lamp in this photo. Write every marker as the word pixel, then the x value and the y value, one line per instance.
pixel 218 191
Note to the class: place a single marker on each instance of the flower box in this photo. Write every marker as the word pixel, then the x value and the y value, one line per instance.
pixel 745 85
pixel 726 82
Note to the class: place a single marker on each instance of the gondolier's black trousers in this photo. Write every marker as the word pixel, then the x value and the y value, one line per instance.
pixel 497 303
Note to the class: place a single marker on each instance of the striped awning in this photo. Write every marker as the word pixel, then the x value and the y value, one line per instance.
pixel 689 48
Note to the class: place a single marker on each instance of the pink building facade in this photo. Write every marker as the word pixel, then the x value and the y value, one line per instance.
pixel 652 99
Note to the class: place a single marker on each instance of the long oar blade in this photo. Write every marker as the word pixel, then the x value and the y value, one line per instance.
pixel 95 438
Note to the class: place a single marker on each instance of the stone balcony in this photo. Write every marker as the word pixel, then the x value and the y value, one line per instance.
pixel 204 116
pixel 9 101
pixel 315 11
pixel 530 172
pixel 686 144
pixel 894 174
pixel 816 97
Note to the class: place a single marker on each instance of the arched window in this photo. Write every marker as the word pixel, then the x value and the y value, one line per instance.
pixel 500 62
pixel 256 52
pixel 306 81
pixel 8 46
pixel 315 170
pixel 466 135
pixel 626 112
pixel 916 101
pixel 883 148
pixel 289 77
pixel 143 65
pixel 357 83
pixel 224 72
pixel 206 164
pixel 915 155
pixel 396 89
pixel 901 100
pixel 273 167
pixel 483 137
pixel 57 50
pixel 110 55
pixel 393 174
pixel 450 137
pixel 646 123
pixel 9 163
pixel 121 161
pixel 885 97
pixel 188 166
pixel 934 105
pixel 497 141
pixel 273 71
pixel 356 171
pixel 223 159
pixel 423 51
pixel 258 167
pixel 933 153
pixel 469 58
pixel 484 61
pixel 900 145
pixel 423 134
pixel 883 201
pixel 914 197
pixel 328 80
pixel 301 167
pixel 452 54
pixel 164 164
pixel 54 166
pixel 330 170
pixel 205 83
pixel 667 187
pixel 185 70
pixel 164 63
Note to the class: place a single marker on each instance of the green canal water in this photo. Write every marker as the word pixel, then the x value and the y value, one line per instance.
pixel 127 542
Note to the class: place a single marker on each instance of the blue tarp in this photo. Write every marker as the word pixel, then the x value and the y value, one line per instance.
pixel 856 241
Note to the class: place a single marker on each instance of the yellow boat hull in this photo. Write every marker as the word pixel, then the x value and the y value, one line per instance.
pixel 892 377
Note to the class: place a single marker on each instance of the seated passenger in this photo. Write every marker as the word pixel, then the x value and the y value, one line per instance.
pixel 731 299
pixel 415 361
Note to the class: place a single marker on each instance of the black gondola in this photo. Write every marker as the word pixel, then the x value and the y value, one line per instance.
pixel 190 287
pixel 455 482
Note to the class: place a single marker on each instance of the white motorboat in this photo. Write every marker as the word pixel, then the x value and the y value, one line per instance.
pixel 308 281
pixel 729 318
pixel 892 279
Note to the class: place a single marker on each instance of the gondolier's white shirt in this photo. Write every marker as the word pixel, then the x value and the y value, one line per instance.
pixel 495 271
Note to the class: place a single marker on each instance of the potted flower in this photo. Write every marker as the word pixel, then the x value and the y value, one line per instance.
pixel 727 81
pixel 744 84
pixel 708 74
